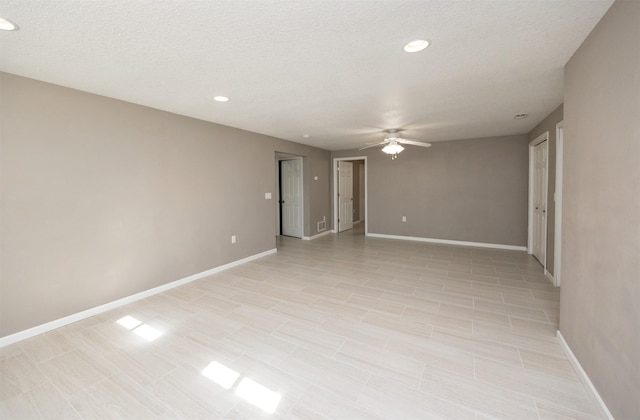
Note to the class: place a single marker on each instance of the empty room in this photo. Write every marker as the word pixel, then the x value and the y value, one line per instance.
pixel 335 209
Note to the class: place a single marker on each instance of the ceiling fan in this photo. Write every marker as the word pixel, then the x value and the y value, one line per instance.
pixel 393 143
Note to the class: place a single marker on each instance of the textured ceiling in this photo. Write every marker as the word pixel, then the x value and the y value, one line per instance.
pixel 334 69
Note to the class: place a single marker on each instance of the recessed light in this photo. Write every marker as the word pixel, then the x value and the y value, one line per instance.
pixel 7 25
pixel 417 45
pixel 520 116
pixel 221 99
pixel 305 136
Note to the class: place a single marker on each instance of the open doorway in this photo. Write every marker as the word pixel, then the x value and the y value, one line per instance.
pixel 350 195
pixel 538 173
pixel 289 196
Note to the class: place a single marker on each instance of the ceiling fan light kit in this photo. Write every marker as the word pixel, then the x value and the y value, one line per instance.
pixel 393 143
pixel 393 149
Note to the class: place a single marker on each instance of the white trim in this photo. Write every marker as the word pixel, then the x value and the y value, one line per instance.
pixel 541 138
pixel 557 239
pixel 278 204
pixel 61 322
pixel 311 238
pixel 335 192
pixel 448 242
pixel 549 276
pixel 584 378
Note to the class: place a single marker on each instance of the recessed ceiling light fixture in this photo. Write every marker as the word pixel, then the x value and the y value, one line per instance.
pixel 417 45
pixel 221 99
pixel 520 116
pixel 305 136
pixel 7 25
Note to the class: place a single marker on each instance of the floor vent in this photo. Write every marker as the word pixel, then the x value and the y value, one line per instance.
pixel 322 225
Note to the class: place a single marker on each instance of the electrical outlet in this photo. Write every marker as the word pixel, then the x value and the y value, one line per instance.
pixel 233 239
pixel 404 218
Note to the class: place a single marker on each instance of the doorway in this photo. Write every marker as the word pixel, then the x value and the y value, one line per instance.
pixel 345 196
pixel 350 194
pixel 538 175
pixel 290 196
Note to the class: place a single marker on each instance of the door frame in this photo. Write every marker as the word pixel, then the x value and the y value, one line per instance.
pixel 557 239
pixel 335 192
pixel 541 138
pixel 280 156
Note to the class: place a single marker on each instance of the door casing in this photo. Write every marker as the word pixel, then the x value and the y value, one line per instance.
pixel 557 239
pixel 280 157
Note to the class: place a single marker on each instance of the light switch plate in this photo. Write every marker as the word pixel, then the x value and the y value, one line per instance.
pixel 267 196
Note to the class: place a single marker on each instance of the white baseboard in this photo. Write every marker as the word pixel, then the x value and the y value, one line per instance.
pixel 61 322
pixel 584 378
pixel 449 242
pixel 310 238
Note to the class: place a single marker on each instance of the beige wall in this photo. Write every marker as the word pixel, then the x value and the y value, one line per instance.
pixel 549 124
pixel 467 190
pixel 101 199
pixel 600 292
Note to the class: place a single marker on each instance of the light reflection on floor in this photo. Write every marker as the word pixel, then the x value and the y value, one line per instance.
pixel 258 395
pixel 143 330
pixel 221 374
pixel 247 389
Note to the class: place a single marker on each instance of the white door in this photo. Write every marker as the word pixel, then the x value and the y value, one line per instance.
pixel 540 155
pixel 291 197
pixel 361 191
pixel 345 196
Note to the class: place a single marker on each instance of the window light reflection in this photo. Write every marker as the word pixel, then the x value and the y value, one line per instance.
pixel 258 395
pixel 147 332
pixel 143 330
pixel 129 322
pixel 221 374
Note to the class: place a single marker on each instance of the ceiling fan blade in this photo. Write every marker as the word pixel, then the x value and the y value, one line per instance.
pixel 374 145
pixel 414 143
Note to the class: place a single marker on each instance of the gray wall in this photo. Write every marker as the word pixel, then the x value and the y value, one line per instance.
pixel 101 199
pixel 549 124
pixel 600 293
pixel 467 190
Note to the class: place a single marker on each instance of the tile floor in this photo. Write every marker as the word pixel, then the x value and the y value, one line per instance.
pixel 340 327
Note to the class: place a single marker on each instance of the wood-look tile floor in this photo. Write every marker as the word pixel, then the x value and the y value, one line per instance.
pixel 340 327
